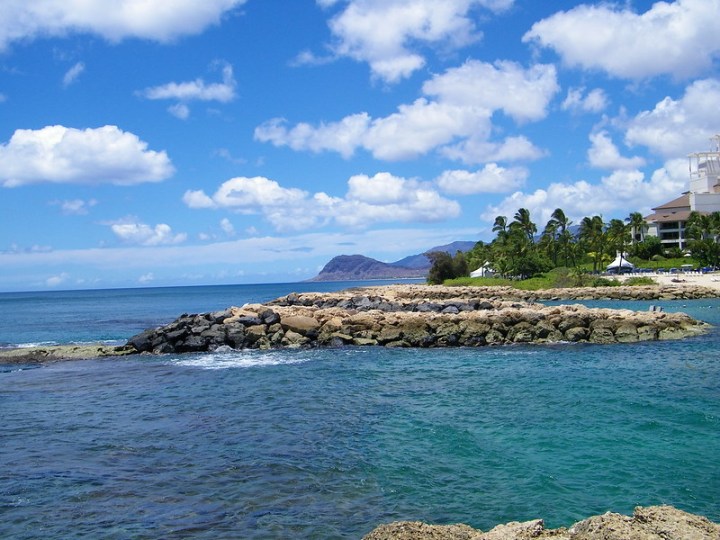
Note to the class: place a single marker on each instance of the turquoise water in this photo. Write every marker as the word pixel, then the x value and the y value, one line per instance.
pixel 330 443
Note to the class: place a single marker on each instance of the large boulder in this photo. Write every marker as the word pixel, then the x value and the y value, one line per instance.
pixel 301 324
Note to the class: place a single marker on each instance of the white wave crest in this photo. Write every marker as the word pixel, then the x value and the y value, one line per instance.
pixel 230 358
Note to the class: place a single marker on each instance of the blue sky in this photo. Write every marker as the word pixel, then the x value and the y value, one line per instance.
pixel 186 142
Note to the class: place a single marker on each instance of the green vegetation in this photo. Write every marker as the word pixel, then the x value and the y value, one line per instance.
pixel 556 278
pixel 640 280
pixel 445 267
pixel 704 232
pixel 559 257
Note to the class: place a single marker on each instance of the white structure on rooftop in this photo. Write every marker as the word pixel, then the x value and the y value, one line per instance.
pixel 667 221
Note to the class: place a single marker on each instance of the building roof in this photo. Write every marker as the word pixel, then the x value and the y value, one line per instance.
pixel 681 202
pixel 666 216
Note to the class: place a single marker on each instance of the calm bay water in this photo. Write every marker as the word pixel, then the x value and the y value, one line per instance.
pixel 330 443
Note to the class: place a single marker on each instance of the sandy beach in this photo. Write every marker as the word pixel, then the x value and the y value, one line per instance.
pixel 711 280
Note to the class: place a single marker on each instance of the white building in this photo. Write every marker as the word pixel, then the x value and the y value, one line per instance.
pixel 667 221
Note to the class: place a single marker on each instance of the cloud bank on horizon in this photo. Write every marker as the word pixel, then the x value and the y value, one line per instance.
pixel 181 142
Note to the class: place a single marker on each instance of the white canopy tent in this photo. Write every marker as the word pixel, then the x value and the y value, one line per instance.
pixel 484 271
pixel 620 262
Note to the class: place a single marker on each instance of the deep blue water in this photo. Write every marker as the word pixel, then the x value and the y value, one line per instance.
pixel 330 443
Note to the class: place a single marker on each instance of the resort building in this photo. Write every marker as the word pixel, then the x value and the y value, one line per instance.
pixel 667 221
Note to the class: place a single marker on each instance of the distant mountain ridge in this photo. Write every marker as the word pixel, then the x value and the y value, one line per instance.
pixel 359 267
pixel 421 261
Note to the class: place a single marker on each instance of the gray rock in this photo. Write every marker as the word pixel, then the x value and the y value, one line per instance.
pixel 577 333
pixel 249 320
pixel 269 317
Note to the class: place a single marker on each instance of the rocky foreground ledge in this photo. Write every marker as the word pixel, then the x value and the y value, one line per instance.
pixel 410 316
pixel 650 523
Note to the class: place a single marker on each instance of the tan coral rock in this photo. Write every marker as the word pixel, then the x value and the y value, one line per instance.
pixel 516 530
pixel 293 339
pixel 416 530
pixel 651 523
pixel 301 324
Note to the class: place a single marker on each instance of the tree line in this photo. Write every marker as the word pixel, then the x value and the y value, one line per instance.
pixel 517 250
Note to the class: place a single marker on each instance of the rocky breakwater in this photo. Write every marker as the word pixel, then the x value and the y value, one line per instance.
pixel 680 291
pixel 407 316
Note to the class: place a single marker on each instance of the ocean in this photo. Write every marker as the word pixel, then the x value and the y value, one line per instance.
pixel 330 443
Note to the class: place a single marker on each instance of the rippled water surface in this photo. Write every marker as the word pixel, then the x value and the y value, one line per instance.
pixel 330 443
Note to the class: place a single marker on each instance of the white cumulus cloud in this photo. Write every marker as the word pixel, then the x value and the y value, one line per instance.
pixel 523 94
pixel 678 127
pixel 343 137
pixel 160 20
pixel 59 154
pixel 577 100
pixel 455 118
pixel 418 128
pixel 179 110
pixel 386 33
pixel 131 231
pixel 477 149
pixel 197 90
pixel 369 200
pixel 490 179
pixel 677 38
pixel 227 227
pixel 621 191
pixel 603 154
pixel 246 195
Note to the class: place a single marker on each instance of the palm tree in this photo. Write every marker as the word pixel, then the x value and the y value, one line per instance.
pixel 703 226
pixel 502 255
pixel 618 236
pixel 500 225
pixel 638 226
pixel 592 233
pixel 704 232
pixel 564 238
pixel 548 240
pixel 522 221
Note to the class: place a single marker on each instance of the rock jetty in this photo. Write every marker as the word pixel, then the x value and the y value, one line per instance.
pixel 673 291
pixel 411 316
pixel 649 523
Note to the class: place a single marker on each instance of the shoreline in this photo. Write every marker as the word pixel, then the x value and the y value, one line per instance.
pixel 710 280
